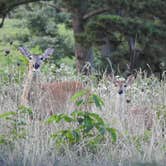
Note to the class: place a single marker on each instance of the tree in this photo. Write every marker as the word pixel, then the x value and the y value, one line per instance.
pixel 131 22
pixel 48 28
pixel 78 9
pixel 138 24
pixel 8 5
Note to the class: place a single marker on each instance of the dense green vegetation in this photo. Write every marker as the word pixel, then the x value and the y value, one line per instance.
pixel 115 119
pixel 124 33
pixel 15 32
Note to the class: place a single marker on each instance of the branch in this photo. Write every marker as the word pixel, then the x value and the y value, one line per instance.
pixel 55 7
pixel 95 12
pixel 12 6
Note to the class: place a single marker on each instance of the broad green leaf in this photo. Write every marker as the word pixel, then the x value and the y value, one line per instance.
pixel 80 102
pixel 68 119
pixel 2 139
pixel 97 100
pixel 54 136
pixel 102 130
pixel 78 113
pixel 97 118
pixel 76 135
pixel 112 131
pixel 87 123
pixel 7 114
pixel 58 118
pixel 78 94
pixel 53 118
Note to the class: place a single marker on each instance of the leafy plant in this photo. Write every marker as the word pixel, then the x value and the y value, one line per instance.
pixel 86 98
pixel 83 126
pixel 15 125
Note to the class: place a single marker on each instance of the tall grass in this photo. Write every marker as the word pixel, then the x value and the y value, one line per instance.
pixel 27 142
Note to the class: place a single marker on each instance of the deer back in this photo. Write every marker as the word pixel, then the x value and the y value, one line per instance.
pixel 51 98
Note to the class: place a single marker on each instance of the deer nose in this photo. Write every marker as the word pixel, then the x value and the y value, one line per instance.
pixel 36 65
pixel 120 91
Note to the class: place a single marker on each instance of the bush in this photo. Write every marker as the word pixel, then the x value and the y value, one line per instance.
pixel 83 126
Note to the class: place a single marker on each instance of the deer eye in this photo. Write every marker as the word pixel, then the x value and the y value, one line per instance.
pixel 41 58
pixel 30 57
pixel 125 85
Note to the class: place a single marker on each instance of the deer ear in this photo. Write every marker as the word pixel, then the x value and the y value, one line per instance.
pixel 25 51
pixel 48 52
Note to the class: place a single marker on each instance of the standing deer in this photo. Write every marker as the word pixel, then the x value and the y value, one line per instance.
pixel 51 96
pixel 137 115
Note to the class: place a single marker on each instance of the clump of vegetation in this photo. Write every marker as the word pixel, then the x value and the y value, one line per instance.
pixel 89 133
pixel 84 127
pixel 16 125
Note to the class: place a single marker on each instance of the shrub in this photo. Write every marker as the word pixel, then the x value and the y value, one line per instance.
pixel 83 126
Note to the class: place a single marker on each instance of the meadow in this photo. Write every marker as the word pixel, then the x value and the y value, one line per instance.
pixel 125 129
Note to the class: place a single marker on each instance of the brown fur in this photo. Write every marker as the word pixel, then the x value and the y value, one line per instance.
pixel 49 97
pixel 61 91
pixel 27 86
pixel 55 96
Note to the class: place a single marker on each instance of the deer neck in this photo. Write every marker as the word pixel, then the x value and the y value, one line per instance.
pixel 30 81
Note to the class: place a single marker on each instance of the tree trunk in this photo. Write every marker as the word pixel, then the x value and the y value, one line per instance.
pixel 135 54
pixel 106 50
pixel 81 49
pixel 132 53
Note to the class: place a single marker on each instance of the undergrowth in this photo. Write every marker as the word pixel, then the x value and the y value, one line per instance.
pixel 99 130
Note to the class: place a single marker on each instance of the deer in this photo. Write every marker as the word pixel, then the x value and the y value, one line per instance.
pixel 138 115
pixel 52 96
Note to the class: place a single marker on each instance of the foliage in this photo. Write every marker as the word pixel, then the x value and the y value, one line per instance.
pixel 86 98
pixel 134 142
pixel 12 64
pixel 16 125
pixel 84 126
pixel 14 31
pixel 143 21
pixel 48 30
pixel 150 38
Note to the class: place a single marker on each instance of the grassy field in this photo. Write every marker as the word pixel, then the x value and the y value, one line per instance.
pixel 138 116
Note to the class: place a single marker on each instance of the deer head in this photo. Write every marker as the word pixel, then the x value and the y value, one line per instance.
pixel 124 84
pixel 36 60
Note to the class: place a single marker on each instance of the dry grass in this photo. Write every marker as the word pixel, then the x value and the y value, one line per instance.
pixel 136 144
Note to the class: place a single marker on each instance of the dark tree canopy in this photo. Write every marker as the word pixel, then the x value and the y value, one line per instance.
pixel 126 32
pixel 7 5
